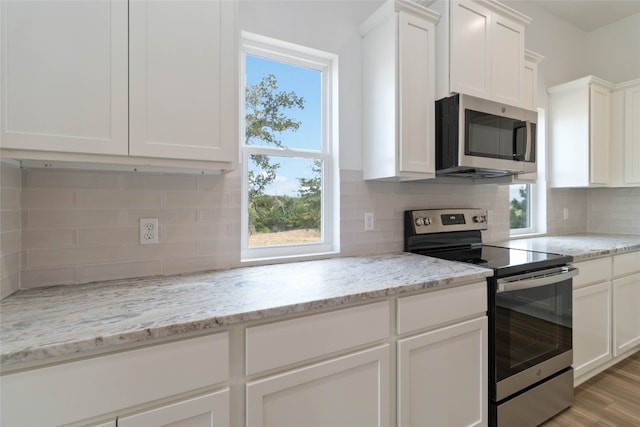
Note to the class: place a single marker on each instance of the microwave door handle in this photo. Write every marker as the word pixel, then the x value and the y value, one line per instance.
pixel 527 155
pixel 518 283
pixel 516 130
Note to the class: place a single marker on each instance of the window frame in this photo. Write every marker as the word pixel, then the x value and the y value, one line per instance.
pixel 537 187
pixel 327 64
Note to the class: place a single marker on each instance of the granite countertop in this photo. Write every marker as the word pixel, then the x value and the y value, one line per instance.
pixel 54 323
pixel 581 246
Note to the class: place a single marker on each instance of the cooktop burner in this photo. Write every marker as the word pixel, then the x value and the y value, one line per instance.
pixel 455 235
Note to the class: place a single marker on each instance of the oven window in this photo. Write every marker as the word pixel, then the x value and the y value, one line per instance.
pixel 532 325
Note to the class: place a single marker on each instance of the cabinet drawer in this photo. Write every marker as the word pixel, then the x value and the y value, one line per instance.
pixel 106 384
pixel 597 270
pixel 626 264
pixel 282 343
pixel 435 308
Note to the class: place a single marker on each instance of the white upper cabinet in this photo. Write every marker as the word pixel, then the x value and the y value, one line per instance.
pixel 596 125
pixel 580 133
pixel 150 83
pixel 64 76
pixel 530 80
pixel 481 50
pixel 181 69
pixel 398 50
pixel 631 141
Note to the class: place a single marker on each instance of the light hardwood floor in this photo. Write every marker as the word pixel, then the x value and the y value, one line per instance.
pixel 610 399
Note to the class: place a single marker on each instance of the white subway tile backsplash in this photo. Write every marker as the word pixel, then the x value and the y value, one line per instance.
pixel 160 182
pixel 53 257
pixel 34 278
pixel 68 218
pixel 49 199
pixel 119 199
pixel 57 178
pixel 82 226
pixel 108 236
pixel 122 270
pixel 49 238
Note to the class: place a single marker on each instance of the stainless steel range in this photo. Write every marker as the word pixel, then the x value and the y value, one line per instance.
pixel 530 314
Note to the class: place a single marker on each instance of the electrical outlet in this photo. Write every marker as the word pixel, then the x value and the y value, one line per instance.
pixel 148 231
pixel 369 221
pixel 565 214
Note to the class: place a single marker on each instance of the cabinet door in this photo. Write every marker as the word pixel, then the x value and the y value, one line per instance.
pixel 507 60
pixel 348 391
pixel 632 136
pixel 64 76
pixel 591 327
pixel 442 377
pixel 417 88
pixel 599 138
pixel 470 49
pixel 626 313
pixel 183 79
pixel 210 410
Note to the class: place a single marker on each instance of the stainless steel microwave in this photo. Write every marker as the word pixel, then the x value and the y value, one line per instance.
pixel 482 139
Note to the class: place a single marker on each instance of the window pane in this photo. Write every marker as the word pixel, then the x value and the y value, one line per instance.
pixel 520 206
pixel 284 200
pixel 283 105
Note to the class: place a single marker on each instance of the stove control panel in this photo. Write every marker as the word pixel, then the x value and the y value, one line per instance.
pixel 425 221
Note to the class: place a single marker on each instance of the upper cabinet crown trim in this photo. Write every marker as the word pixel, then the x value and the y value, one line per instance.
pixel 505 10
pixel 532 56
pixel 581 83
pixel 414 9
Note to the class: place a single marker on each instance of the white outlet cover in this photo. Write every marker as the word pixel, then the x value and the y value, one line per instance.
pixel 148 231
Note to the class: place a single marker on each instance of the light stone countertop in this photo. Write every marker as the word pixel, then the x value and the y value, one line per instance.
pixel 581 246
pixel 55 323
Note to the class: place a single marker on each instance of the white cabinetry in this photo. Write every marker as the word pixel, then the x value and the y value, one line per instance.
pixel 606 313
pixel 351 390
pixel 64 76
pixel 181 73
pixel 625 134
pixel 442 373
pixel 580 133
pixel 97 389
pixel 140 83
pixel 210 410
pixel 626 302
pixel 530 80
pixel 346 390
pixel 591 315
pixel 481 50
pixel 398 92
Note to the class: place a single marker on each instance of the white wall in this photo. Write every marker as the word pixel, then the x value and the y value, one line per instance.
pixel 614 50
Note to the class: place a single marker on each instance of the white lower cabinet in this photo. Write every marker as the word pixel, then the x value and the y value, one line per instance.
pixel 626 313
pixel 606 313
pixel 97 390
pixel 591 327
pixel 351 390
pixel 442 376
pixel 209 410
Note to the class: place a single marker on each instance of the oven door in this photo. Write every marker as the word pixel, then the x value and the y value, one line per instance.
pixel 532 321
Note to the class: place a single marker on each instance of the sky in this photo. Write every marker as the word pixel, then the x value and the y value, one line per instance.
pixel 306 83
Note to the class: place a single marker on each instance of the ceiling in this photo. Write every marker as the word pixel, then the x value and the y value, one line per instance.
pixel 588 15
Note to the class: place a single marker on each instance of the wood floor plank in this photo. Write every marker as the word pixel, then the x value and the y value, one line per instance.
pixel 610 399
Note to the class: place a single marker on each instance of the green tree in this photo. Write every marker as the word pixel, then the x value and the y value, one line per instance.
pixel 518 209
pixel 265 120
pixel 310 193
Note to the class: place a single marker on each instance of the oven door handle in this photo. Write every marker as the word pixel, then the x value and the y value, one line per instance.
pixel 535 279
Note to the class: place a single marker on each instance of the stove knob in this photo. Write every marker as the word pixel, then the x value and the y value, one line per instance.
pixel 480 218
pixel 419 222
pixel 427 221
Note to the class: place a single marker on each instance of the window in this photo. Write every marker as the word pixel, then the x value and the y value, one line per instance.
pixel 289 151
pixel 527 200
